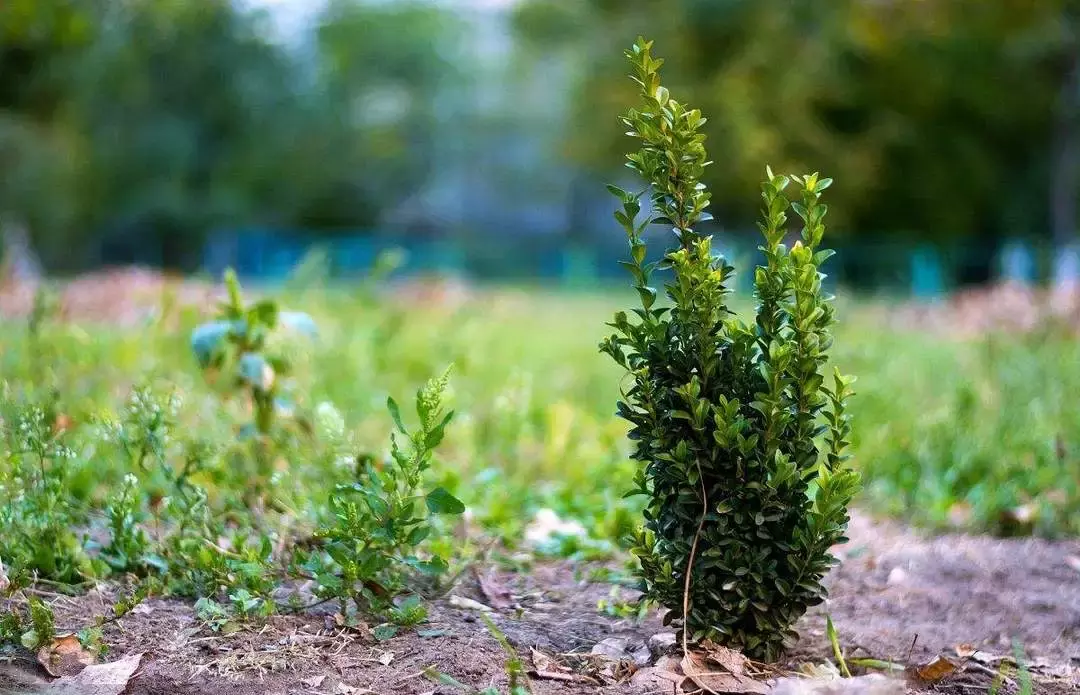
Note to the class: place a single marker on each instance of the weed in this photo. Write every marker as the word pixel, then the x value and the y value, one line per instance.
pixel 37 517
pixel 381 519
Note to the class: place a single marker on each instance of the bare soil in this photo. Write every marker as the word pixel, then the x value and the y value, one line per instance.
pixel 896 596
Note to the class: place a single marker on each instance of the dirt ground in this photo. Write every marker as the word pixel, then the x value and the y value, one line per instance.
pixel 896 596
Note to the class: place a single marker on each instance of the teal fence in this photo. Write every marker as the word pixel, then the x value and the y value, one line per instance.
pixel 922 271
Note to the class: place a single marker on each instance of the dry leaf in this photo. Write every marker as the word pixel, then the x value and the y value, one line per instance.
pixel 548 668
pixel 386 658
pixel 938 668
pixel 64 656
pixel 653 679
pixel 98 679
pixel 824 671
pixel 496 594
pixel 729 659
pixel 712 679
pixel 314 682
pixel 543 662
pixel 965 650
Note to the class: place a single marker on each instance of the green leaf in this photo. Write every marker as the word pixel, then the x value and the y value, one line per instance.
pixel 395 413
pixel 439 501
pixel 418 534
pixel 264 312
pixel 30 640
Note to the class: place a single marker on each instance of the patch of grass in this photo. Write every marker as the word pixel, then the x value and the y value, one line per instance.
pixel 979 432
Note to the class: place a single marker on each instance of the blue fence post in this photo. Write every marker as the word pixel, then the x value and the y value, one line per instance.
pixel 1017 263
pixel 926 275
pixel 1067 267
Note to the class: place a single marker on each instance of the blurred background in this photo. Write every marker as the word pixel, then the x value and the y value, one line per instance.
pixel 189 135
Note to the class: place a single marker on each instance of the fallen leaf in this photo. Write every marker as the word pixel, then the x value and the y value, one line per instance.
pixel 98 679
pixel 64 656
pixel 468 604
pixel 936 669
pixel 824 671
pixel 386 658
pixel 549 668
pixel 314 682
pixel 653 679
pixel 707 677
pixel 543 662
pixel 965 650
pixel 731 660
pixel 496 594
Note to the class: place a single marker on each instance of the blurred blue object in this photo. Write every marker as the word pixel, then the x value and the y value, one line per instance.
pixel 1017 263
pixel 926 275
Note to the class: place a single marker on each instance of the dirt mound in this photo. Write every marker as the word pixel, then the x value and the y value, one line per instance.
pixel 123 296
pixel 1008 308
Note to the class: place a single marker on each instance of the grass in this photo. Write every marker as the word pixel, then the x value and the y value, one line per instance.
pixel 947 432
pixel 944 428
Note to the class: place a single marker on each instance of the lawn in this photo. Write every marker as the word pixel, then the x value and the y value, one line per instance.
pixel 127 470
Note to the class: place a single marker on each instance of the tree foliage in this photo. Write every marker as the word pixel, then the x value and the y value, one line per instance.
pixel 936 117
pixel 135 129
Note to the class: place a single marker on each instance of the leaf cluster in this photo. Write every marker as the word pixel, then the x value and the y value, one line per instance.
pixel 742 444
pixel 371 548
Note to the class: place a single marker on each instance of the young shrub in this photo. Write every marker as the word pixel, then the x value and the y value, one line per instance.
pixel 380 521
pixel 745 495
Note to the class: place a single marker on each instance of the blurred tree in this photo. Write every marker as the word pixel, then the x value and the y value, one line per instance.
pixel 171 99
pixel 130 130
pixel 389 71
pixel 39 41
pixel 935 117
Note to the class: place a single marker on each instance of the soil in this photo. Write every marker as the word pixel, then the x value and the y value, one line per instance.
pixel 896 596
